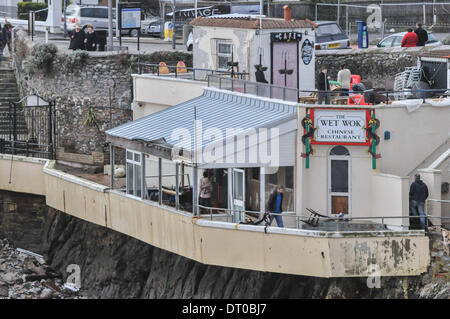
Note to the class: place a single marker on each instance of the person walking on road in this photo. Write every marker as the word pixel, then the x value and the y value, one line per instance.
pixel 422 35
pixel 91 39
pixel 410 39
pixel 6 33
pixel 418 193
pixel 77 39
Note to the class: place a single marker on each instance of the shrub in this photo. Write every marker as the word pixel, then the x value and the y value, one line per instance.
pixel 43 56
pixel 169 57
pixel 75 60
pixel 24 7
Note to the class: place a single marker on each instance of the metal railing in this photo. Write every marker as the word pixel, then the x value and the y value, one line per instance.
pixel 196 74
pixel 341 223
pixel 294 94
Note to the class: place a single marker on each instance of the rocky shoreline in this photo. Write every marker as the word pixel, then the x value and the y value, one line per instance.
pixel 24 276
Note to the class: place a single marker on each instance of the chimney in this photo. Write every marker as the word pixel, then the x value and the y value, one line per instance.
pixel 287 13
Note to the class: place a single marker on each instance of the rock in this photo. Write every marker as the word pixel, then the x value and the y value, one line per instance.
pixel 46 294
pixel 4 291
pixel 9 278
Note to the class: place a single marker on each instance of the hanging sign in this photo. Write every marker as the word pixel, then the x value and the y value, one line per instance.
pixel 286 36
pixel 340 127
pixel 307 51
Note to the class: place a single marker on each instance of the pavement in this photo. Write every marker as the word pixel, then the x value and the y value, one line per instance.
pixel 147 45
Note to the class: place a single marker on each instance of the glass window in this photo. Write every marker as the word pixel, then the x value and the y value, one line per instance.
pixel 134 171
pixel 397 41
pixel 87 12
pixel 129 155
pixel 328 29
pixel 432 38
pixel 137 157
pixel 339 150
pixel 101 13
pixel 130 183
pixel 386 42
pixel 339 176
pixel 224 54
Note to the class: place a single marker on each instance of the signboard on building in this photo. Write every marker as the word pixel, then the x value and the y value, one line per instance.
pixel 340 127
pixel 286 36
pixel 131 18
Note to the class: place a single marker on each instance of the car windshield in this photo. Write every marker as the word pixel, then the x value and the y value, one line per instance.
pixel 71 11
pixel 328 29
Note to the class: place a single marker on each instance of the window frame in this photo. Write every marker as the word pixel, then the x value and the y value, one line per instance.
pixel 136 165
pixel 219 54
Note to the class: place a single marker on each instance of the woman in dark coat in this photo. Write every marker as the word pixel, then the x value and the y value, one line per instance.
pixel 77 39
pixel 91 39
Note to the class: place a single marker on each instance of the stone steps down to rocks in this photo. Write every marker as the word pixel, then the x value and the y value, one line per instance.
pixel 9 92
pixel 23 276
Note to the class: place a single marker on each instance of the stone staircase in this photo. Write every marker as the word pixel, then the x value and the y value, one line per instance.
pixel 9 91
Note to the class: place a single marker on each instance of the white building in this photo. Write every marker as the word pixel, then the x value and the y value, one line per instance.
pixel 284 47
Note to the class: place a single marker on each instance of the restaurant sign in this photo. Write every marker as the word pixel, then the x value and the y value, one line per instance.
pixel 337 126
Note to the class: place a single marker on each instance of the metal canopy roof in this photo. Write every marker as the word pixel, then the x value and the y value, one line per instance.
pixel 216 109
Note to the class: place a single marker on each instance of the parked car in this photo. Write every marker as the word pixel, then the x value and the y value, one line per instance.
pixel 152 28
pixel 329 35
pixel 84 15
pixel 395 40
pixel 190 42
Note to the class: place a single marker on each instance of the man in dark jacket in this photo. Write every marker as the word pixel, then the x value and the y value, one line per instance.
pixel 77 39
pixel 418 193
pixel 421 34
pixel 6 32
pixel 275 205
pixel 323 85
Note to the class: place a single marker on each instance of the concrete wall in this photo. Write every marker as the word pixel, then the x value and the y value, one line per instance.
pixel 156 93
pixel 414 135
pixel 311 253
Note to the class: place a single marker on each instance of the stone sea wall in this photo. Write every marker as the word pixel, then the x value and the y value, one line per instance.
pixel 376 65
pixel 114 265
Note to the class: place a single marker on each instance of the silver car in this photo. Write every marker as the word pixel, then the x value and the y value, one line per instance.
pixel 97 16
pixel 329 35
pixel 395 40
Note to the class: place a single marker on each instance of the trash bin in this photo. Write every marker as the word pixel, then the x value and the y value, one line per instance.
pixel 363 36
pixel 101 39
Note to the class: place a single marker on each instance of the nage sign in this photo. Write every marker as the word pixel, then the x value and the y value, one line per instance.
pixel 340 126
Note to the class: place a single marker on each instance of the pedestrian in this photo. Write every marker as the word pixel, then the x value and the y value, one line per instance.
pixel 422 35
pixel 6 33
pixel 409 39
pixel 77 39
pixel 91 39
pixel 275 205
pixel 205 190
pixel 323 86
pixel 344 76
pixel 418 193
pixel 1 46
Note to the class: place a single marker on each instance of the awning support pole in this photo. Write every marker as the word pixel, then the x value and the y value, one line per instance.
pixel 160 180
pixel 262 189
pixel 177 186
pixel 111 165
pixel 195 192
pixel 143 187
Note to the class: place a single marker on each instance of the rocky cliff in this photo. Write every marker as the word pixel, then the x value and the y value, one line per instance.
pixel 114 265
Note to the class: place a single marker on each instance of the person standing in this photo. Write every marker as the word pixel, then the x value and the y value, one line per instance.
pixel 344 76
pixel 205 190
pixel 323 86
pixel 422 35
pixel 1 46
pixel 91 39
pixel 77 39
pixel 409 39
pixel 6 32
pixel 275 205
pixel 418 193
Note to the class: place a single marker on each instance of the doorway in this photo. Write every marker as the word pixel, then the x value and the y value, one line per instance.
pixel 339 181
pixel 285 57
